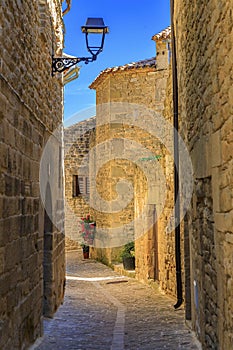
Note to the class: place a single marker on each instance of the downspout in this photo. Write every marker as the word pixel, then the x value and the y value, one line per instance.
pixel 176 163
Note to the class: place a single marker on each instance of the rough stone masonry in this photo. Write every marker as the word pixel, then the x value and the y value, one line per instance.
pixel 31 247
pixel 204 33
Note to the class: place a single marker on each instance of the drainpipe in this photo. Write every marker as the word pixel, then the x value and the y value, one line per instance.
pixel 176 164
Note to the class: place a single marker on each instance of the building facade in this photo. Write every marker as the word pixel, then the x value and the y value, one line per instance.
pixel 78 140
pixel 32 265
pixel 134 107
pixel 204 38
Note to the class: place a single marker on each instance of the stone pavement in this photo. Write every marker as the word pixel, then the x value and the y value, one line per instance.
pixel 103 310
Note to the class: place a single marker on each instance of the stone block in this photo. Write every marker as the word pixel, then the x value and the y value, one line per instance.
pixel 201 156
pixel 227 151
pixel 2 260
pixel 215 183
pixel 216 149
pixel 226 200
pixel 229 238
pixel 224 221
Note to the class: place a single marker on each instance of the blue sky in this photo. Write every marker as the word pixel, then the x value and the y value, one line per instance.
pixel 131 23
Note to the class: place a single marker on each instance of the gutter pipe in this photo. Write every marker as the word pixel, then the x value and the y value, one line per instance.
pixel 176 162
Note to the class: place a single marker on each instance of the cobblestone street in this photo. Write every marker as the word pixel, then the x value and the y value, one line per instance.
pixel 103 310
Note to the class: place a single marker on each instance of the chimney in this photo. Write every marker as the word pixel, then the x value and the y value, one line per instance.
pixel 163 48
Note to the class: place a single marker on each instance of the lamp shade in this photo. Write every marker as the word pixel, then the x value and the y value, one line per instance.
pixel 95 25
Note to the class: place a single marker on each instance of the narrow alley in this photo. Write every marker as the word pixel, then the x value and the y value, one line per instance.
pixel 103 310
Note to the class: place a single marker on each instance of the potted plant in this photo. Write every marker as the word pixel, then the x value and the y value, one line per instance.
pixel 88 234
pixel 128 256
pixel 86 250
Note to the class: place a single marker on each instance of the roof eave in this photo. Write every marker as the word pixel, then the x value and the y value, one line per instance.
pixel 116 70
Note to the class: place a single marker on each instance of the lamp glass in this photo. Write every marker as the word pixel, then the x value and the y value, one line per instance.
pixel 94 26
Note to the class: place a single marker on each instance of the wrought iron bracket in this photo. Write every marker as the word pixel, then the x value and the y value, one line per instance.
pixel 60 64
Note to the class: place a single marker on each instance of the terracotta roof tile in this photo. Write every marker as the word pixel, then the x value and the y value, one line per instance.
pixel 147 63
pixel 164 34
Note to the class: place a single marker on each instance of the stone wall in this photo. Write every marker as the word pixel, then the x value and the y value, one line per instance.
pixel 204 34
pixel 30 109
pixel 77 140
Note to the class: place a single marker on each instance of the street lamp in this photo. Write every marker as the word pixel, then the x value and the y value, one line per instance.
pixel 92 26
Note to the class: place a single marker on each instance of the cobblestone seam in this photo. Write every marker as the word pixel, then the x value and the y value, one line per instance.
pixel 119 329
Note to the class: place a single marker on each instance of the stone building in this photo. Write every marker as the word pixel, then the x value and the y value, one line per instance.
pixel 133 113
pixel 77 141
pixel 204 38
pixel 32 270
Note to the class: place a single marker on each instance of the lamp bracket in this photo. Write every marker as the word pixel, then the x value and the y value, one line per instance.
pixel 60 64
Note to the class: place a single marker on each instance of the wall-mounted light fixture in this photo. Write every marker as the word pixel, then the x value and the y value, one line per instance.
pixel 92 26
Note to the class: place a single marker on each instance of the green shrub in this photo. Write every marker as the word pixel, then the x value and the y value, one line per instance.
pixel 128 250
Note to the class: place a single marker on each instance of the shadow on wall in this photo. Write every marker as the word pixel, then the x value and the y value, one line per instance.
pixel 48 248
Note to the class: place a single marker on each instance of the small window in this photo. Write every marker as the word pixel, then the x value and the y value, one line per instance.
pixel 76 189
pixel 81 186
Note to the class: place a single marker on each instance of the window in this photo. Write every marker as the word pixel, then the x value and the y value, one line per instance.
pixel 81 186
pixel 76 189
